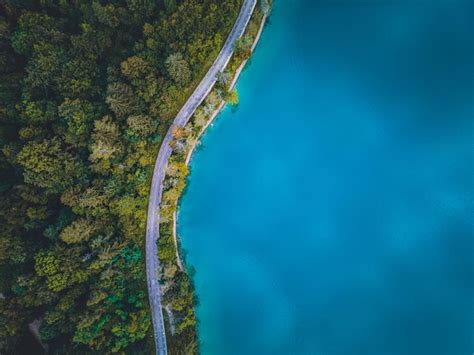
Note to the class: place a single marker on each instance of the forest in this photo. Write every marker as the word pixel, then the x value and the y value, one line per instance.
pixel 87 91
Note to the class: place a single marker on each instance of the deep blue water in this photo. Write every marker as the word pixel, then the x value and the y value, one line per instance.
pixel 332 212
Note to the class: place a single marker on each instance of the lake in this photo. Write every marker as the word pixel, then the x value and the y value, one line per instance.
pixel 332 211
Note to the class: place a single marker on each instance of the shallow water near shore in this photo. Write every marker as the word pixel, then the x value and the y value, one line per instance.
pixel 332 211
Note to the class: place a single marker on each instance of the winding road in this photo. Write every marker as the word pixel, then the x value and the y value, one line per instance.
pixel 152 227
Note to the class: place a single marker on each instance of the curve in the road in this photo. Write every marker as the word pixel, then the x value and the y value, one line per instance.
pixel 152 228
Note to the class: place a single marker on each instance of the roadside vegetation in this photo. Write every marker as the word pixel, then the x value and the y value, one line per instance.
pixel 87 91
pixel 179 297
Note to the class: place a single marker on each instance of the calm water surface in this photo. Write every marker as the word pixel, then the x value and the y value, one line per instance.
pixel 332 211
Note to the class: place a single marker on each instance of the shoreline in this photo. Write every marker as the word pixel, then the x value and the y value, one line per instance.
pixel 213 116
pixel 231 87
pixel 157 264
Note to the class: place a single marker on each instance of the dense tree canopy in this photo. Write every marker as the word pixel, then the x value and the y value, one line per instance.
pixel 87 90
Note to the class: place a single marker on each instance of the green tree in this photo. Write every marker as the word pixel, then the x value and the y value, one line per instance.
pixel 109 14
pixel 141 125
pixel 78 231
pixel 45 65
pixel 170 5
pixel 178 69
pixel 34 28
pixel 232 98
pixel 78 115
pixel 38 112
pixel 106 140
pixel 47 164
pixel 135 67
pixel 122 101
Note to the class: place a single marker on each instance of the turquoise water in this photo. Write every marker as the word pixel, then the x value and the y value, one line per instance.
pixel 332 211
